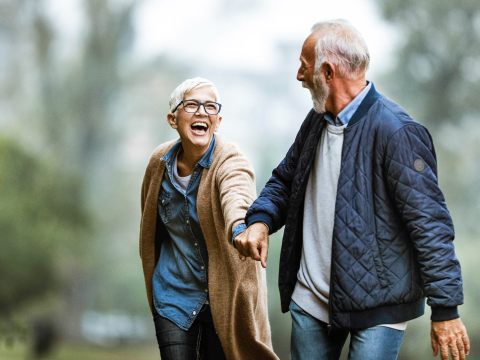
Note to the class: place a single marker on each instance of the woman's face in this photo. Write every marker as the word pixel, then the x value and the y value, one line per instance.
pixel 196 128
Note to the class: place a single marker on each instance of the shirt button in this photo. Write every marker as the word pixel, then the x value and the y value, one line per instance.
pixel 196 244
pixel 194 313
pixel 163 201
pixel 194 172
pixel 203 267
pixel 206 290
pixel 187 221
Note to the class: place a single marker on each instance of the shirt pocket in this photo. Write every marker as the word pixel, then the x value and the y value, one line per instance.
pixel 164 207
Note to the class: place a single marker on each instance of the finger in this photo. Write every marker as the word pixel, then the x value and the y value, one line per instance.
pixel 444 351
pixel 434 345
pixel 454 351
pixel 466 342
pixel 461 349
pixel 242 248
pixel 264 255
pixel 254 251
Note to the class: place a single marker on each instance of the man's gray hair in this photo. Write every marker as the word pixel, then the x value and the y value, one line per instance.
pixel 342 45
pixel 190 84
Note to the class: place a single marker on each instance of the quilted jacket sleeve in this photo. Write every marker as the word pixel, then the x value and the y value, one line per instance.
pixel 411 175
pixel 272 204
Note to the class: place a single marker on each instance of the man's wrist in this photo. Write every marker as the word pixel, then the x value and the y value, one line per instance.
pixel 260 217
pixel 261 222
pixel 444 313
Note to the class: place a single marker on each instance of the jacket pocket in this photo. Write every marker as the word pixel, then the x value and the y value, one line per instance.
pixel 377 259
pixel 164 207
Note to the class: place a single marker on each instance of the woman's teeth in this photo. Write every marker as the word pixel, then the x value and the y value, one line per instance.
pixel 199 127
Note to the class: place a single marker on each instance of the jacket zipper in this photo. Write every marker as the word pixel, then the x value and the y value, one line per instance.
pixel 330 297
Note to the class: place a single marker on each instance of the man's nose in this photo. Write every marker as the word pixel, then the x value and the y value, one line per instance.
pixel 300 76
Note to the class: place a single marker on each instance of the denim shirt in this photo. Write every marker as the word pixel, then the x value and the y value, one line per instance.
pixel 180 280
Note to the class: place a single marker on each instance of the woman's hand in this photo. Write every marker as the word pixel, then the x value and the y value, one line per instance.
pixel 253 243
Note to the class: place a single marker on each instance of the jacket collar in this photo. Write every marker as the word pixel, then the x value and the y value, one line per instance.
pixel 366 104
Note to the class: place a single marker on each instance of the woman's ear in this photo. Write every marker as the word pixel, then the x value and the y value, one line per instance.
pixel 172 120
pixel 219 121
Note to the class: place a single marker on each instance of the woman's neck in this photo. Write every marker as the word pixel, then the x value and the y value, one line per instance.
pixel 187 158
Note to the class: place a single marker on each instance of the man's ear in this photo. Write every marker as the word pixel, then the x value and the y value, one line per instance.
pixel 329 71
pixel 172 120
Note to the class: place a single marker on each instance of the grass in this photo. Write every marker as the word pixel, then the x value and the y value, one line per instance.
pixel 66 351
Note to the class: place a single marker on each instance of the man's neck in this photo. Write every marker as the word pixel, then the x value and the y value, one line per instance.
pixel 342 92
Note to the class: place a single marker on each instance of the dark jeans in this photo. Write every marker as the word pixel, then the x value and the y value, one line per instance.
pixel 199 342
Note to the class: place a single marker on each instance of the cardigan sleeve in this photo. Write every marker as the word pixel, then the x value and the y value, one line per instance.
pixel 236 184
pixel 143 197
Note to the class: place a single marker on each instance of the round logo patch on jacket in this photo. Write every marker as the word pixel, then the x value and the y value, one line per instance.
pixel 419 165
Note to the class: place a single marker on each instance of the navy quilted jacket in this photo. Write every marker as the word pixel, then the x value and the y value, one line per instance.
pixel 393 235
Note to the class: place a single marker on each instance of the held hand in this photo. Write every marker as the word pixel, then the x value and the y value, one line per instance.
pixel 450 334
pixel 253 243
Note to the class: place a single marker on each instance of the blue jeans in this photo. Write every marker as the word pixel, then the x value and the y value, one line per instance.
pixel 311 340
pixel 200 341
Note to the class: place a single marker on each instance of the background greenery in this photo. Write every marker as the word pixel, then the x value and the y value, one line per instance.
pixel 78 122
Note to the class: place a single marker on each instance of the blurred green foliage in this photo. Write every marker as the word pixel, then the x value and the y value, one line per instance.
pixel 42 221
pixel 436 78
pixel 437 69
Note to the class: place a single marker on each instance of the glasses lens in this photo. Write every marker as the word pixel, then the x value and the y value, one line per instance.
pixel 211 108
pixel 190 106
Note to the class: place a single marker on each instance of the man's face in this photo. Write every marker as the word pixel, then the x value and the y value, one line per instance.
pixel 197 128
pixel 307 63
pixel 311 79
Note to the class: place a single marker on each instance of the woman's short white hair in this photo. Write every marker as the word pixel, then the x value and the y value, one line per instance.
pixel 342 45
pixel 190 84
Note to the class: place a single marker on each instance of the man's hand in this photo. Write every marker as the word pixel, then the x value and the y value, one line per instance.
pixel 253 243
pixel 450 334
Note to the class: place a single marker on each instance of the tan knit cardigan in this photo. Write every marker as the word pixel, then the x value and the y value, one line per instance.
pixel 237 290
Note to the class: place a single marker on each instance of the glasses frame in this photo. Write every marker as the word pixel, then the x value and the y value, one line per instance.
pixel 198 108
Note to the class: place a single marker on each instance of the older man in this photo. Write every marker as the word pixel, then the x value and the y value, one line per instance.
pixel 367 232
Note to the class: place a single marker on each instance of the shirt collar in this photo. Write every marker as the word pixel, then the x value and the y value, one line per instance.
pixel 205 161
pixel 347 113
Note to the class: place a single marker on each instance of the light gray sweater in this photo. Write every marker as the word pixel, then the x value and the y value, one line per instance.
pixel 313 286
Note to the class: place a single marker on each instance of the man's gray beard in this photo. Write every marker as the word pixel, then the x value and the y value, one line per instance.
pixel 319 93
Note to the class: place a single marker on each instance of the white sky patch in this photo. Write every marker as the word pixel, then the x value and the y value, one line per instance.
pixel 246 38
pixel 68 16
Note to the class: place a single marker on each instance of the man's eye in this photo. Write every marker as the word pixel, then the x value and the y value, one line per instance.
pixel 211 106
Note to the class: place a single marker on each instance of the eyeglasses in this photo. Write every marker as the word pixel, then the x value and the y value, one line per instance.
pixel 192 106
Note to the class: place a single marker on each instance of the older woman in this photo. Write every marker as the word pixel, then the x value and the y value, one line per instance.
pixel 206 303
